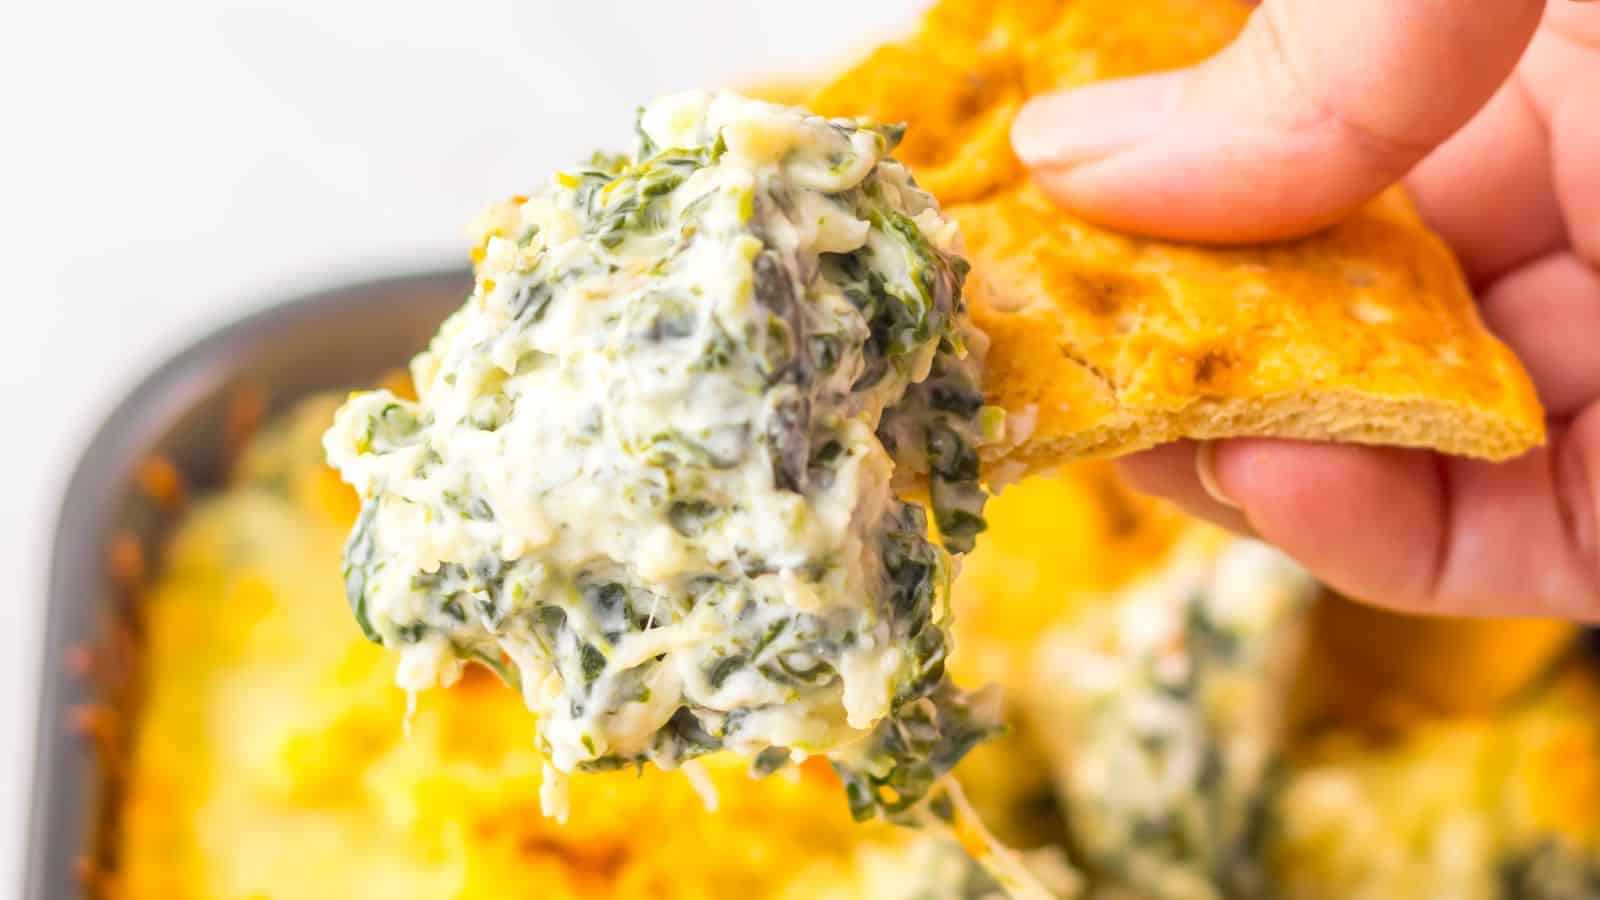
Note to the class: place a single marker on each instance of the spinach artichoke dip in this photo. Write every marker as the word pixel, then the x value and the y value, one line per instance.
pixel 1165 707
pixel 655 473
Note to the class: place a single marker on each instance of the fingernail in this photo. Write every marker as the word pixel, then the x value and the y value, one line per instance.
pixel 1205 467
pixel 1094 121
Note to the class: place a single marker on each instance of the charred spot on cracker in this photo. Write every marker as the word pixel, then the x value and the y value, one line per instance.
pixel 1365 331
pixel 1210 365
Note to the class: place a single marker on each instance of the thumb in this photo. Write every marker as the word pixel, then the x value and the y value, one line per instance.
pixel 1311 111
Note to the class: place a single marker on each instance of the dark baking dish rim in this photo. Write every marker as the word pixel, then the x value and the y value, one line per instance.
pixel 63 792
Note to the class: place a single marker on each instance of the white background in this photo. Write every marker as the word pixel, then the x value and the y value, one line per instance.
pixel 168 165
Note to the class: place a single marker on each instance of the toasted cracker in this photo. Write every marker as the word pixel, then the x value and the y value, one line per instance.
pixel 1105 343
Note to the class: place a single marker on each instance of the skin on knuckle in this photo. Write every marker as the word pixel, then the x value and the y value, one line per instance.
pixel 1281 64
pixel 1315 95
pixel 1576 135
pixel 1577 23
pixel 1430 578
pixel 1578 492
pixel 1558 74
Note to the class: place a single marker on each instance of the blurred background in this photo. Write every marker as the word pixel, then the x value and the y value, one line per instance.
pixel 169 166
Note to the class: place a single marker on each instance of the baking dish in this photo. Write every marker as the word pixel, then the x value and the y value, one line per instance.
pixel 190 414
pixel 173 433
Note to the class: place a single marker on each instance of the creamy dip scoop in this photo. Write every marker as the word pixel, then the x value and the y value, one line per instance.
pixel 657 472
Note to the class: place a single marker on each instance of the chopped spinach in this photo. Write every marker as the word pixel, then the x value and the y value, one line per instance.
pixel 651 466
pixel 360 563
pixel 1551 870
pixel 911 749
pixel 1174 766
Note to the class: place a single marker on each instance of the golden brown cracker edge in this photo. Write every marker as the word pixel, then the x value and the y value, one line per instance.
pixel 1104 343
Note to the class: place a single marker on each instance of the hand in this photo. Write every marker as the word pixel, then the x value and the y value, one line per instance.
pixel 1490 109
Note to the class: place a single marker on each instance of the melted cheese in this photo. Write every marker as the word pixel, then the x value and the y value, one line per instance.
pixel 651 472
pixel 270 759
